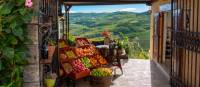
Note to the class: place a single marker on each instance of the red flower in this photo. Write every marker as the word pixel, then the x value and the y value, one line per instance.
pixel 106 33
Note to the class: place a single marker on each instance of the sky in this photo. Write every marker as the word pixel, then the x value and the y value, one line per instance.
pixel 138 8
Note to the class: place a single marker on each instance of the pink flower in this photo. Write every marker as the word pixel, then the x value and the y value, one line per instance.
pixel 29 3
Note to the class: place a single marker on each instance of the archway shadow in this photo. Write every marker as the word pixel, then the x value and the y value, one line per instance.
pixel 158 78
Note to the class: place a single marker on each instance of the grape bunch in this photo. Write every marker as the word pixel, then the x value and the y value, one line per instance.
pixel 86 62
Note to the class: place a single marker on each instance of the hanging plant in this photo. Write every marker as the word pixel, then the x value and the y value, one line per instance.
pixel 14 15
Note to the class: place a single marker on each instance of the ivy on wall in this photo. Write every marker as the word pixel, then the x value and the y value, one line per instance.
pixel 14 15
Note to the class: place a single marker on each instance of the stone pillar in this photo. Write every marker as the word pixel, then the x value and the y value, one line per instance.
pixel 31 75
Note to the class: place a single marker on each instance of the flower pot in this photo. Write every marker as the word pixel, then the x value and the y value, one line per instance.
pixel 106 41
pixel 50 82
pixel 51 50
pixel 121 51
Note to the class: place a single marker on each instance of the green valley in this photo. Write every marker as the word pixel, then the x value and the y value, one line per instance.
pixel 134 25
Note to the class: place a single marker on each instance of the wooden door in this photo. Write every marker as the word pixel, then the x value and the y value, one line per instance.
pixel 161 37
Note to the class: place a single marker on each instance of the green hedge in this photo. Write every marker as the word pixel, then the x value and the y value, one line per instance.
pixel 14 16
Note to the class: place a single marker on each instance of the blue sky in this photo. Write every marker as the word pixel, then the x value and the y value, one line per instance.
pixel 110 8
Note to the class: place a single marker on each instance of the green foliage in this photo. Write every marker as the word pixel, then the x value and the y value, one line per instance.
pixel 51 42
pixel 124 42
pixel 71 40
pixel 13 36
pixel 132 48
pixel 136 51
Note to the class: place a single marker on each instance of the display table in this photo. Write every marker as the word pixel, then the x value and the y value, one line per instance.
pixel 112 56
pixel 104 50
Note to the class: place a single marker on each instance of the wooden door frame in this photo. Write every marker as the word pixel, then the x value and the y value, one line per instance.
pixel 158 37
pixel 161 30
pixel 155 37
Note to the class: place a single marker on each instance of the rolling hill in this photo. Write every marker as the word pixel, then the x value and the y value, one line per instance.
pixel 135 25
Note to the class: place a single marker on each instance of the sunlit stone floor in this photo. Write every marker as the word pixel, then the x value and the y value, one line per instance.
pixel 137 73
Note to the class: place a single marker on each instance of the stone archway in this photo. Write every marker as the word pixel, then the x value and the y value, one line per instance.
pixel 33 72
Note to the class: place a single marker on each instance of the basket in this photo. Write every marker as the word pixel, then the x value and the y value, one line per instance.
pixel 101 81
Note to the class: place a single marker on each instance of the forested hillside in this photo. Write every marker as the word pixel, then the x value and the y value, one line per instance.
pixel 135 25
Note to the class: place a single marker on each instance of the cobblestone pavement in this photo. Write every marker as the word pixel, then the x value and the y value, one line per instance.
pixel 137 73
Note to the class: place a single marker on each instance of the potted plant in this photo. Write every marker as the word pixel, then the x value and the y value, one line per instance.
pixel 50 80
pixel 123 45
pixel 51 48
pixel 106 34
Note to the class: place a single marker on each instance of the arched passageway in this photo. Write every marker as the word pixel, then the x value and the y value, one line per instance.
pixel 182 61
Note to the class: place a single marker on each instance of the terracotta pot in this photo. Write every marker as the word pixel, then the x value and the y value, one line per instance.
pixel 106 41
pixel 121 51
pixel 50 82
pixel 51 50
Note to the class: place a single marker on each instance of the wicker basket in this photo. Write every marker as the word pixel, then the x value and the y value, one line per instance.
pixel 101 81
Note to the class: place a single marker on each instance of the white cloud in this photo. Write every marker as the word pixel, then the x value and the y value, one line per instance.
pixel 128 9
pixel 133 10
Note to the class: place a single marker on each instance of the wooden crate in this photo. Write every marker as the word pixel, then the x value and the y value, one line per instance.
pixel 80 74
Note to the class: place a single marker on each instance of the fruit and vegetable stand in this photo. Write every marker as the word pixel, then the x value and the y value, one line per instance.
pixel 83 60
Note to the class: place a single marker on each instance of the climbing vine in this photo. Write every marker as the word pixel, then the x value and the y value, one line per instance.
pixel 14 16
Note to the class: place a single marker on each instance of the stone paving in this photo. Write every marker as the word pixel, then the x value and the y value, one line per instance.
pixel 137 73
